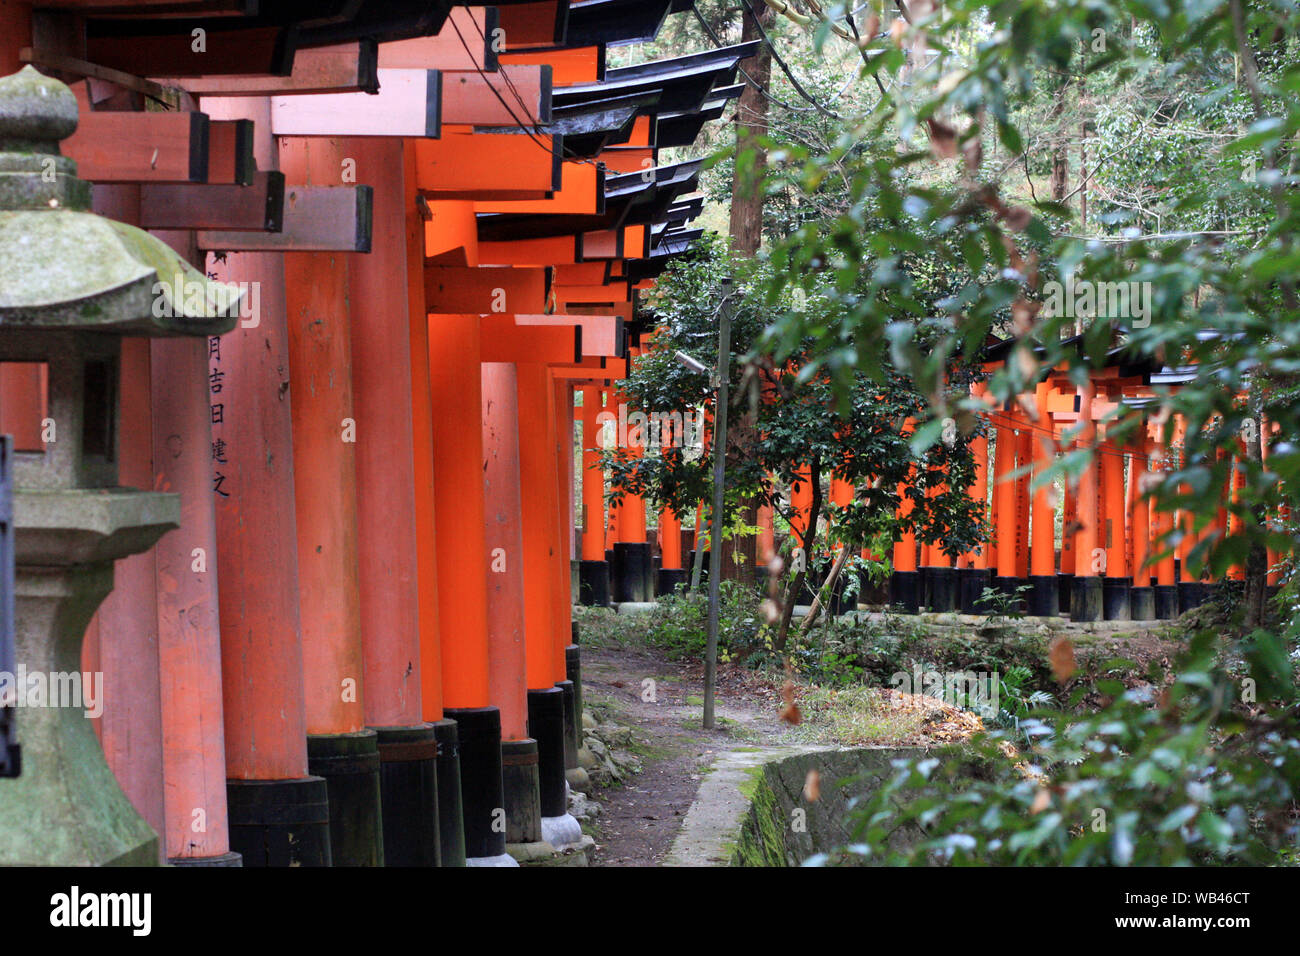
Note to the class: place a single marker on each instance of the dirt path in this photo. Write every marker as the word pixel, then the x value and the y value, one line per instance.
pixel 640 818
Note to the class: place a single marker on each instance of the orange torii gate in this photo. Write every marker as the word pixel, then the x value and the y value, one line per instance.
pixel 1102 564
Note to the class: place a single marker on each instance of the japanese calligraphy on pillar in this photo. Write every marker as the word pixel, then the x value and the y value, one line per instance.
pixel 217 406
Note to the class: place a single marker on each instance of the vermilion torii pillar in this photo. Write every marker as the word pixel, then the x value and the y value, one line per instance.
pixel 566 653
pixel 339 746
pixel 455 384
pixel 279 813
pixel 1142 596
pixel 632 573
pixel 547 595
pixel 1044 597
pixel 1024 460
pixel 1004 498
pixel 904 585
pixel 841 495
pixel 1117 582
pixel 974 576
pixel 1068 521
pixel 593 570
pixel 393 468
pixel 441 785
pixel 1166 588
pixel 1089 560
pixel 671 572
pixel 505 571
pixel 189 639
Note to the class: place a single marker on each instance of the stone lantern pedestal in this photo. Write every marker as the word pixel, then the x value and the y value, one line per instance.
pixel 66 808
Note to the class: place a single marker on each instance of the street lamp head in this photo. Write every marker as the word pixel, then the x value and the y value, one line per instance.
pixel 690 362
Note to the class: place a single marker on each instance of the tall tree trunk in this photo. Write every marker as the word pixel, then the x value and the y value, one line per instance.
pixel 1060 154
pixel 751 122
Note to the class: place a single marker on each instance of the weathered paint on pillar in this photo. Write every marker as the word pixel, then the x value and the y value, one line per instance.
pixel 505 549
pixel 430 639
pixel 325 438
pixel 189 638
pixel 261 636
pixel 766 534
pixel 388 572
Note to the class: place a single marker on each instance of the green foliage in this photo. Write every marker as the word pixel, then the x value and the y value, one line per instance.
pixel 1184 119
pixel 679 626
pixel 1179 775
pixel 845 650
pixel 793 426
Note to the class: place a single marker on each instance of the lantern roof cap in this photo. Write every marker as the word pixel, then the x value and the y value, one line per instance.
pixel 64 267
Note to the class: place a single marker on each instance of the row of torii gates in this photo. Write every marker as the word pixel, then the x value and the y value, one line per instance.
pixel 1096 552
pixel 343 634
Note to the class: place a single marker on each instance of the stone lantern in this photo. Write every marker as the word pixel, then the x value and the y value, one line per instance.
pixel 71 284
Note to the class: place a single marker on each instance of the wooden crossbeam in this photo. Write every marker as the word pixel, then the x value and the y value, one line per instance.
pixel 259 206
pixel 616 292
pixel 592 368
pixel 485 291
pixel 504 341
pixel 477 27
pixel 471 98
pixel 529 252
pixel 121 147
pixel 530 25
pixel 408 104
pixel 630 159
pixel 636 242
pixel 451 234
pixel 478 166
pixel 316 219
pixel 346 68
pixel 601 334
pixel 586 273
pixel 582 192
pixel 103 74
pixel 568 67
pixel 252 50
pixel 602 244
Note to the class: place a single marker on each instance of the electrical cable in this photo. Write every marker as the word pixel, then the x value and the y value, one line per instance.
pixel 763 91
